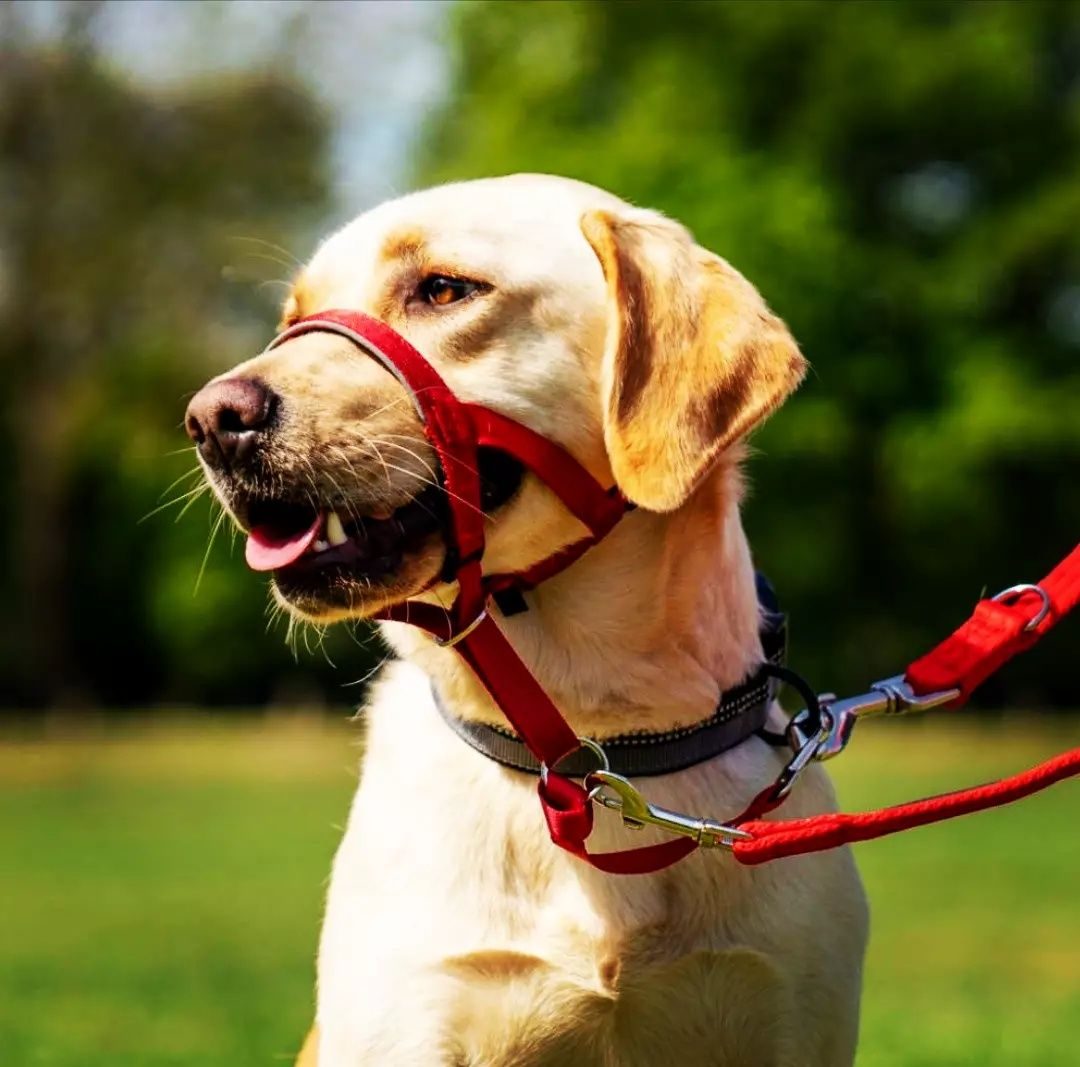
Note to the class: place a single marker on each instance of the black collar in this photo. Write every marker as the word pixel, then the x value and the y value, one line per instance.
pixel 741 712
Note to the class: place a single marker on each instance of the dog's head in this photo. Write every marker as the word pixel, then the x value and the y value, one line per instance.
pixel 600 326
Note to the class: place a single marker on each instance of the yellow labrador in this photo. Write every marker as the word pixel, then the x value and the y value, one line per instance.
pixel 455 932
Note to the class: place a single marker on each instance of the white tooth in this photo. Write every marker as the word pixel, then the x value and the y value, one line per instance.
pixel 321 546
pixel 335 532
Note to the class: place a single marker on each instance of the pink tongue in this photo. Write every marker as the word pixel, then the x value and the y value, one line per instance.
pixel 266 550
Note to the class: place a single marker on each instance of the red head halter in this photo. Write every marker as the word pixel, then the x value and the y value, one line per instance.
pixel 456 430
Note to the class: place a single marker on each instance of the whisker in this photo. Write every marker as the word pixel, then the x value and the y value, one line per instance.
pixel 430 481
pixel 290 638
pixel 209 546
pixel 409 452
pixel 176 481
pixel 292 261
pixel 184 510
pixel 369 675
pixel 190 496
pixel 400 398
pixel 379 456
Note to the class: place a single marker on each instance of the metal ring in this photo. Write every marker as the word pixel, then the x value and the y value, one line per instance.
pixel 593 747
pixel 449 642
pixel 1016 590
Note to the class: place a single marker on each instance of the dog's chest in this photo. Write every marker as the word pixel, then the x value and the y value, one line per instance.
pixel 455 934
pixel 499 1009
pixel 466 985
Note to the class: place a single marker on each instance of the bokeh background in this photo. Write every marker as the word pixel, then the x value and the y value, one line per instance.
pixel 902 182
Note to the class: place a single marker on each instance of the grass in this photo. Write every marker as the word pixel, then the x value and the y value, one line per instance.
pixel 161 884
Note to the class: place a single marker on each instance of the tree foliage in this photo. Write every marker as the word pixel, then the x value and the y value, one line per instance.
pixel 902 182
pixel 118 208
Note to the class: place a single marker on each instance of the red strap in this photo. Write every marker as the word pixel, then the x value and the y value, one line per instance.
pixel 793 837
pixel 540 572
pixel 517 693
pixel 996 631
pixel 447 426
pixel 569 814
pixel 584 497
pixel 566 805
pixel 503 674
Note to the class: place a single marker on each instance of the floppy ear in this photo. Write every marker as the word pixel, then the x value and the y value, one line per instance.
pixel 694 358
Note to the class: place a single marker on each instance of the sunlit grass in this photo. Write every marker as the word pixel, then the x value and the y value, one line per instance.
pixel 161 884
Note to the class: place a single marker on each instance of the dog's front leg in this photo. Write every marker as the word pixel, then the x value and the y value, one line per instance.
pixel 309 1054
pixel 401 1017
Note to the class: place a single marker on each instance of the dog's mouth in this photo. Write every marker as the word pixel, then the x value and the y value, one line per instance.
pixel 335 554
pixel 288 536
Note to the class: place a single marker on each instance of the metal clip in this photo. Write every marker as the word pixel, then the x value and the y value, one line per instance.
pixel 805 745
pixel 637 812
pixel 893 696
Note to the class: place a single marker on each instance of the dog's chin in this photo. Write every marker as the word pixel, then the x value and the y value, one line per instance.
pixel 327 591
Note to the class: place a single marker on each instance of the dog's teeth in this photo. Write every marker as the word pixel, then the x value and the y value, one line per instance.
pixel 335 532
pixel 321 546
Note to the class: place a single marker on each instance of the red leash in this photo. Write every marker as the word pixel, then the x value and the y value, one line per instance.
pixel 998 630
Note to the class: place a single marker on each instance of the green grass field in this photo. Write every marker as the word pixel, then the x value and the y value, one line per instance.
pixel 160 890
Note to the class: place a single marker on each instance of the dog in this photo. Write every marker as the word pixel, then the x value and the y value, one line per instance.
pixel 455 932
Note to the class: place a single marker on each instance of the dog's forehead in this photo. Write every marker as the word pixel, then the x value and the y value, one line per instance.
pixel 512 230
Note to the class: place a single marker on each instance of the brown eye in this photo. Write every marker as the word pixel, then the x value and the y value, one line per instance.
pixel 440 290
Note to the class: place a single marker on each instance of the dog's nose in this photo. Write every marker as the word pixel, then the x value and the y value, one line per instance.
pixel 224 419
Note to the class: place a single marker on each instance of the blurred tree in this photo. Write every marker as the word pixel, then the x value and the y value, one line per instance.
pixel 117 210
pixel 902 181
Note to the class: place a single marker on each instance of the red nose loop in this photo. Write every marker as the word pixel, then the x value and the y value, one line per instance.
pixel 447 427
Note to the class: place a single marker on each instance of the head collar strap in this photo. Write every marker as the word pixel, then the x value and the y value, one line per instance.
pixel 446 426
pixel 740 712
pixel 456 430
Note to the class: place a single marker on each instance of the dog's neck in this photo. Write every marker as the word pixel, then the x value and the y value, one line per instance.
pixel 643 633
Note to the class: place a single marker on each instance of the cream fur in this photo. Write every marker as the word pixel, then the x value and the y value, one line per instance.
pixel 455 932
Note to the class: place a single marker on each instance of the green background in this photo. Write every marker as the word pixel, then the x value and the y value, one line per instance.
pixel 162 888
pixel 902 182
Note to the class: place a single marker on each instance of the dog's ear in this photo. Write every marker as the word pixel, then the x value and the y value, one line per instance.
pixel 694 358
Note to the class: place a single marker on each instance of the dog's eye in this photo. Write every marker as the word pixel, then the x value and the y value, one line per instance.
pixel 440 290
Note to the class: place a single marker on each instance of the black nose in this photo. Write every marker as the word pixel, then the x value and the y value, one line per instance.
pixel 226 417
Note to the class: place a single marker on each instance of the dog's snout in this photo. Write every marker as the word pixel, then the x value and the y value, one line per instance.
pixel 225 418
